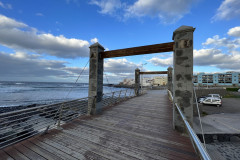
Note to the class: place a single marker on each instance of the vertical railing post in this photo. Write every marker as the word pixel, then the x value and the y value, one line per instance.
pixel 95 78
pixel 60 117
pixel 113 97
pixel 182 75
pixel 119 95
pixel 125 95
pixel 137 81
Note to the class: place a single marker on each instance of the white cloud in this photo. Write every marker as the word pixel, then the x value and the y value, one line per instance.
pixel 26 67
pixel 206 57
pixel 223 53
pixel 216 41
pixel 107 6
pixel 119 66
pixel 168 11
pixel 20 36
pixel 235 32
pixel 39 14
pixel 228 9
pixel 161 62
pixel 6 5
pixel 215 57
pixel 94 40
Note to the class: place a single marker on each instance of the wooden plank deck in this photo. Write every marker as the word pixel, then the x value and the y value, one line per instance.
pixel 140 128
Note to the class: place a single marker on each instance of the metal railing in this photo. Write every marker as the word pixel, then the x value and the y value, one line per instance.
pixel 198 146
pixel 116 97
pixel 21 124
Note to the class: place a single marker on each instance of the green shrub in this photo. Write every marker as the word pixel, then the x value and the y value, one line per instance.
pixel 231 96
pixel 232 89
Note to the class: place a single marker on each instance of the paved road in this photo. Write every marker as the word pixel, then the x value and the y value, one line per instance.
pixel 222 120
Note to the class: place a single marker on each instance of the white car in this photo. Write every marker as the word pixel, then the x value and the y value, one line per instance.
pixel 214 96
pixel 213 101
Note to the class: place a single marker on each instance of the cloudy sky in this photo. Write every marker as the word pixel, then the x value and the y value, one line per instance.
pixel 49 40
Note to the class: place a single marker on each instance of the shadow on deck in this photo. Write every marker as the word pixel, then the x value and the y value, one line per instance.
pixel 140 128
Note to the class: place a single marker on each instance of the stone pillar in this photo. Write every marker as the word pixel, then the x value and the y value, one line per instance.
pixel 183 75
pixel 137 81
pixel 170 69
pixel 95 79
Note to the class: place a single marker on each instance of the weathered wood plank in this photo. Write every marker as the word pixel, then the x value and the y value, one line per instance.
pixel 15 154
pixel 44 153
pixel 128 144
pixel 56 151
pixel 140 128
pixel 156 48
pixel 73 149
pixel 5 156
pixel 27 152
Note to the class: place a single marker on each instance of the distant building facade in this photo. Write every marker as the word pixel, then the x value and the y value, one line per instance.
pixel 217 79
pixel 128 82
pixel 146 81
pixel 160 81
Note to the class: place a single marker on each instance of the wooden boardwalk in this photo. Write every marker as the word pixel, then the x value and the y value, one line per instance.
pixel 140 128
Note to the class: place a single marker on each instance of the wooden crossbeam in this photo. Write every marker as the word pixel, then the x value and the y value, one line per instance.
pixel 156 48
pixel 155 72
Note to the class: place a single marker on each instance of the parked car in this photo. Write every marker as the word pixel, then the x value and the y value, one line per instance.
pixel 201 99
pixel 212 101
pixel 214 96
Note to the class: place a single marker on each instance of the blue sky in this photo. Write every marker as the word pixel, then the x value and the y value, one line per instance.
pixel 49 40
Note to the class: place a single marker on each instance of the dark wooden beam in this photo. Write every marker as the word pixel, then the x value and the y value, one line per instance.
pixel 156 48
pixel 155 72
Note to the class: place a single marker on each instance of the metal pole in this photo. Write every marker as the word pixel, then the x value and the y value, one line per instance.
pixel 125 94
pixel 59 118
pixel 113 96
pixel 119 95
pixel 142 77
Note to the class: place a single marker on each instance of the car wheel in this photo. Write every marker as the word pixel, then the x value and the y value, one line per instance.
pixel 218 105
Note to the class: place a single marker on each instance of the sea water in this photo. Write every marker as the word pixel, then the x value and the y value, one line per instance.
pixel 28 93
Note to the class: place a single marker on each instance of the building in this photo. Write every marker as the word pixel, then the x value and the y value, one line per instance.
pixel 128 82
pixel 217 79
pixel 146 81
pixel 160 81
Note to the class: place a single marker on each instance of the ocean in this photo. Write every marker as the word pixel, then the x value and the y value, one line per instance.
pixel 14 94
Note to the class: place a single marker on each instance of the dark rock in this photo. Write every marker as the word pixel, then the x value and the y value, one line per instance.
pixel 234 139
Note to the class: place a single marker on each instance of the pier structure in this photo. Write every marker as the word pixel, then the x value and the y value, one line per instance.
pixel 181 75
pixel 131 127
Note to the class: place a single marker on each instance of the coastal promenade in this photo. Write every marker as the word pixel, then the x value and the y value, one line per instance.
pixel 139 128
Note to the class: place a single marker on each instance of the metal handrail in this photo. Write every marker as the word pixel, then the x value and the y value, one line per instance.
pixel 18 125
pixel 201 150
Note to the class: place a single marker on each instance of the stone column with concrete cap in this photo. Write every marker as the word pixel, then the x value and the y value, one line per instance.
pixel 183 75
pixel 137 81
pixel 95 79
pixel 170 69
